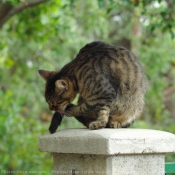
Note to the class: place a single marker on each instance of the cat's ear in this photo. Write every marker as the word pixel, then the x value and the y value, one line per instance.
pixel 44 74
pixel 61 85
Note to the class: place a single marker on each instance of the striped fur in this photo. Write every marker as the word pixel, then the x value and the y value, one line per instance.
pixel 110 81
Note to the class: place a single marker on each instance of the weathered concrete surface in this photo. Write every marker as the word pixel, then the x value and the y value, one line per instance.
pixel 78 164
pixel 108 141
pixel 137 165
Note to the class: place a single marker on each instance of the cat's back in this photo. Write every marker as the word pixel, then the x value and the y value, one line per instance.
pixel 94 47
pixel 106 54
pixel 118 64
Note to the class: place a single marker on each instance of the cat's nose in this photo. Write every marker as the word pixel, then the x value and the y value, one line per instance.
pixel 52 108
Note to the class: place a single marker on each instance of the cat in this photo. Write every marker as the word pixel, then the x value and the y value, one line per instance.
pixel 111 84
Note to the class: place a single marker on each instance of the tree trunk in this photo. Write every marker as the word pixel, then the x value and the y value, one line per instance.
pixel 4 9
pixel 7 10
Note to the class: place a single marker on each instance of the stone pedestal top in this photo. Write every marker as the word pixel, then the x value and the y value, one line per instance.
pixel 108 141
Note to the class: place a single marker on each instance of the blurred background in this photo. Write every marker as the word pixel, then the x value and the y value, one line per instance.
pixel 47 34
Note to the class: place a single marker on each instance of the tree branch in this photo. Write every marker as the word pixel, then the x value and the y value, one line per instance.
pixel 48 58
pixel 19 8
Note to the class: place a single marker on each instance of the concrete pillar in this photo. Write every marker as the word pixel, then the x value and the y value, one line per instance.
pixel 108 151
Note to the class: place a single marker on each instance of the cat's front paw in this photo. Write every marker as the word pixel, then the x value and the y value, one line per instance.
pixel 97 125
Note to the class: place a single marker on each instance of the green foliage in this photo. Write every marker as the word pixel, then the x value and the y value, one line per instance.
pixel 157 64
pixel 13 2
pixel 47 37
pixel 158 14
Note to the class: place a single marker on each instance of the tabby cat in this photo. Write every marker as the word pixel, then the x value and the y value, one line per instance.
pixel 111 84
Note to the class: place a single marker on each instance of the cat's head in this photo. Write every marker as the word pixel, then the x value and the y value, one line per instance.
pixel 59 92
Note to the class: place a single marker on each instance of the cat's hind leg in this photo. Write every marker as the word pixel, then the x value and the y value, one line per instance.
pixel 120 121
pixel 125 117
